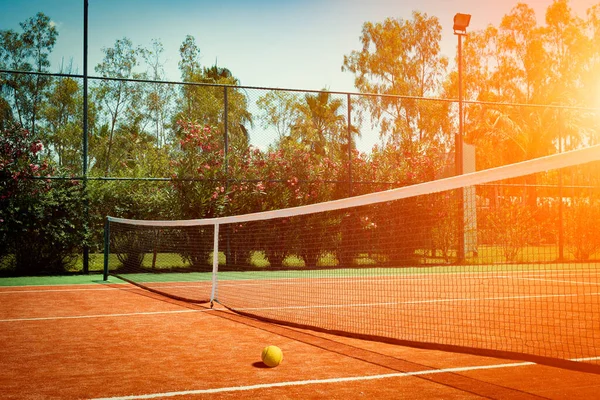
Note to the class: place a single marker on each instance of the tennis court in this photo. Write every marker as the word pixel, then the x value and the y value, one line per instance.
pixel 372 296
pixel 95 339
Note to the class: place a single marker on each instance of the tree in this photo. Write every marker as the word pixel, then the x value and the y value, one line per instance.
pixel 6 115
pixel 39 35
pixel 117 99
pixel 65 130
pixel 522 62
pixel 158 97
pixel 203 101
pixel 400 57
pixel 313 124
pixel 189 65
pixel 320 125
pixel 62 114
pixel 28 51
pixel 279 110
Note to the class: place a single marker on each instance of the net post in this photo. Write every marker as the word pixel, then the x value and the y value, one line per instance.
pixel 106 250
pixel 215 265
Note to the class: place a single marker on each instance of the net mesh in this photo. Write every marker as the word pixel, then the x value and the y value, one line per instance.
pixel 502 262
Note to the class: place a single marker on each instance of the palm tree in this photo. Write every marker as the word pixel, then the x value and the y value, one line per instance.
pixel 321 125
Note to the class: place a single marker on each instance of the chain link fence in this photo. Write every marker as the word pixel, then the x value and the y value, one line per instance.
pixel 172 150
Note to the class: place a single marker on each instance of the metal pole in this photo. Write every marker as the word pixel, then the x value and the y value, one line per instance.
pixel 215 265
pixel 561 237
pixel 459 158
pixel 106 247
pixel 350 191
pixel 225 133
pixel 86 204
pixel 226 166
pixel 459 136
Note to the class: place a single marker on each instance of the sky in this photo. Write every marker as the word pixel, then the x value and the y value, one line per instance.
pixel 294 44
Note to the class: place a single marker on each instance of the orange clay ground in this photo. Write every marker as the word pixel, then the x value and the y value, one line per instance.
pixel 117 341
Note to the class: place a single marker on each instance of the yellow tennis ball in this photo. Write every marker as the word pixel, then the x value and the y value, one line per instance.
pixel 272 356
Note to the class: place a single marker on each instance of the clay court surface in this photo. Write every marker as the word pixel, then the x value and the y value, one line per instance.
pixel 113 340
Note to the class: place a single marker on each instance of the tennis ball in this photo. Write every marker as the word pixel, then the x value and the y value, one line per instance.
pixel 272 356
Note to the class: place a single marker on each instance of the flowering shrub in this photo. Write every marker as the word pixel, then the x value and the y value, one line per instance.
pixel 198 175
pixel 40 219
pixel 250 180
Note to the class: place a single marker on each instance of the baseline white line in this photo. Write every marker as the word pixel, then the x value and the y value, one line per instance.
pixel 395 303
pixel 563 272
pixel 63 284
pixel 326 279
pixel 317 381
pixel 518 278
pixel 408 277
pixel 63 290
pixel 102 315
pixel 192 285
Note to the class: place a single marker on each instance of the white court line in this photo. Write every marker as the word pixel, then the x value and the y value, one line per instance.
pixel 316 280
pixel 430 301
pixel 125 286
pixel 579 272
pixel 102 315
pixel 554 280
pixel 324 381
pixel 322 280
pixel 328 280
pixel 63 290
pixel 282 280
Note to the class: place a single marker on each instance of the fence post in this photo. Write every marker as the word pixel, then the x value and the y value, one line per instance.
pixel 561 237
pixel 226 162
pixel 350 189
pixel 225 133
pixel 86 203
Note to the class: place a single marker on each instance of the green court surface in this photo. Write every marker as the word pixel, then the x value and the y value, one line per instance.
pixel 57 280
pixel 298 273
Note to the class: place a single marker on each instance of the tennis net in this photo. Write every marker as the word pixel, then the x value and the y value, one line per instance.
pixel 503 262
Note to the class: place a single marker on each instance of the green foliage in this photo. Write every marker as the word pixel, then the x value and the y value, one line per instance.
pixel 127 199
pixel 511 226
pixel 582 228
pixel 27 51
pixel 117 101
pixel 135 132
pixel 40 220
pixel 444 226
pixel 402 57
pixel 62 113
pixel 204 100
pixel 198 172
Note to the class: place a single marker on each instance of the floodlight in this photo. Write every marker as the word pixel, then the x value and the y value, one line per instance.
pixel 461 22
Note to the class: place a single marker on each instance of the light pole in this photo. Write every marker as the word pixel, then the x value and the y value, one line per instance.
pixel 461 22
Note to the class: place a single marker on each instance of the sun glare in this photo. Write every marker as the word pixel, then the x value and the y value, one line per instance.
pixel 597 94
